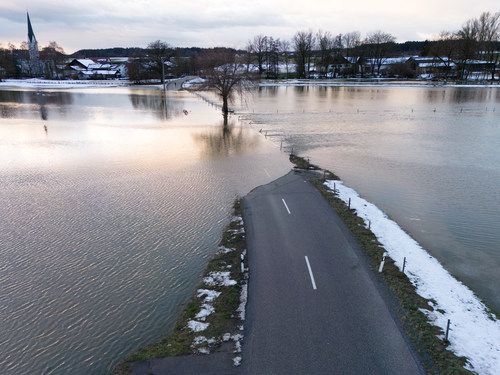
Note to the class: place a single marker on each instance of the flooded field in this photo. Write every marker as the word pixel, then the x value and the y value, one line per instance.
pixel 111 201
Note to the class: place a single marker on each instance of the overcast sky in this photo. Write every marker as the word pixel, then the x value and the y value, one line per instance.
pixel 80 24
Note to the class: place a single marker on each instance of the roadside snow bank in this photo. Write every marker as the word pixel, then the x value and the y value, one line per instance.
pixel 475 333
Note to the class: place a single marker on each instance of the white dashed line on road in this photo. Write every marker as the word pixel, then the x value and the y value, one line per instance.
pixel 310 273
pixel 286 206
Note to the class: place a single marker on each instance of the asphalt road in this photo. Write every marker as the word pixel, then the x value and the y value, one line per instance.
pixel 313 305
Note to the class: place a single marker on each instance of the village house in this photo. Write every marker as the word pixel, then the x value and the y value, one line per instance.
pixel 90 69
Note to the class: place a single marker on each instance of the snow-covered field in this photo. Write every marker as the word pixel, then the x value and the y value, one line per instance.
pixel 475 332
pixel 49 83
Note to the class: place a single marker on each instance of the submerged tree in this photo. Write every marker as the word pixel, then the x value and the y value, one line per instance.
pixel 226 74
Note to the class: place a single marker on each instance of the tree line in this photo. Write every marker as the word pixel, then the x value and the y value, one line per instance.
pixel 477 39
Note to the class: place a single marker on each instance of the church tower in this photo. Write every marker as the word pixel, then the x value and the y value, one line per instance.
pixel 32 43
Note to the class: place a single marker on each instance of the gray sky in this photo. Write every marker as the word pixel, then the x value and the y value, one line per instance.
pixel 80 24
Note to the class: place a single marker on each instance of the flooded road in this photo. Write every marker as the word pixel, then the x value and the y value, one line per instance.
pixel 427 156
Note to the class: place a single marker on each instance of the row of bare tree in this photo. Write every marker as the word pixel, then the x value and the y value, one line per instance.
pixel 320 48
pixel 477 39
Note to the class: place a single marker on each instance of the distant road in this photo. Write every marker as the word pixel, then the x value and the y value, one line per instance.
pixel 313 306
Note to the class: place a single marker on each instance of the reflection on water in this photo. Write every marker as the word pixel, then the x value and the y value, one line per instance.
pixel 429 157
pixel 108 217
pixel 227 139
pixel 161 105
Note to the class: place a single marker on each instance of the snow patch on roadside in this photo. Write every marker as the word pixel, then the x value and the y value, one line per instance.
pixel 210 295
pixel 475 332
pixel 206 310
pixel 219 279
pixel 196 326
pixel 243 301
pixel 237 361
pixel 225 250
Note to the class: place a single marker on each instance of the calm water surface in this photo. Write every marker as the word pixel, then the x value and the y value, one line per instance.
pixel 429 157
pixel 111 201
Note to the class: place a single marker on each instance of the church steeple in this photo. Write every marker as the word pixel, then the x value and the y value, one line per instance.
pixel 32 42
pixel 31 34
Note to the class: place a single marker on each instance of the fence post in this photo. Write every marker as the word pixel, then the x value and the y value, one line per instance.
pixel 404 264
pixel 447 331
pixel 349 203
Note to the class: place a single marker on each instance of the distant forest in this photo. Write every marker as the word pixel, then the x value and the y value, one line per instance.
pixel 407 48
pixel 134 52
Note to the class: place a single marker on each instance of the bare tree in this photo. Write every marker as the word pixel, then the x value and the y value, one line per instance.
pixel 350 41
pixel 488 25
pixel 225 74
pixel 325 50
pixel 159 53
pixel 285 56
pixel 257 47
pixel 467 46
pixel 378 44
pixel 444 50
pixel 53 55
pixel 304 44
pixel 273 56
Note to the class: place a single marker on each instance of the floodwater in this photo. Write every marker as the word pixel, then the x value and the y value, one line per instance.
pixel 427 156
pixel 111 202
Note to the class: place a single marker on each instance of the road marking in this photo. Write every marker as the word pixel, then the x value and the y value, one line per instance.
pixel 286 206
pixel 310 273
pixel 265 170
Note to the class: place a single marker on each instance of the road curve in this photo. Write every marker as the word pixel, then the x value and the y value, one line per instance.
pixel 313 307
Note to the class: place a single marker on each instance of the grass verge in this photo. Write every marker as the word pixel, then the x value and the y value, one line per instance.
pixel 224 319
pixel 424 336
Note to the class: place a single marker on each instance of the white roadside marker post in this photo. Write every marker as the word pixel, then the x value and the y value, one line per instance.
pixel 382 262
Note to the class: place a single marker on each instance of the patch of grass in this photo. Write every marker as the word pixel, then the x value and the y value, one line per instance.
pixel 303 163
pixel 433 351
pixel 223 320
